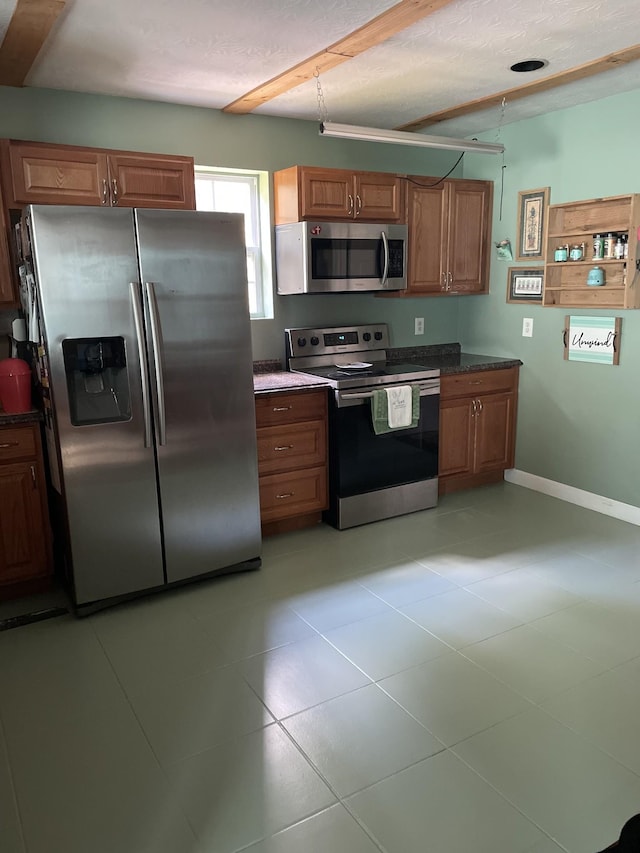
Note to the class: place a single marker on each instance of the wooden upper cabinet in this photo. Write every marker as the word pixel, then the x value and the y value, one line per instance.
pixel 306 192
pixel 53 174
pixel 379 197
pixel 469 243
pixel 427 212
pixel 326 194
pixel 39 173
pixel 149 180
pixel 449 236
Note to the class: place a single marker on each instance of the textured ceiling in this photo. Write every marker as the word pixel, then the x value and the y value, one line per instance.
pixel 211 52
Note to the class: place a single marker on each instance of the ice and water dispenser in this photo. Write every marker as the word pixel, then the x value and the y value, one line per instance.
pixel 97 382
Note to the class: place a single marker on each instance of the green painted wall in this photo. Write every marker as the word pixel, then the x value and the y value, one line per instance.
pixel 577 423
pixel 248 142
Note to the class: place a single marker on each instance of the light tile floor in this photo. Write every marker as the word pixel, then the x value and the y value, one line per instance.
pixel 462 679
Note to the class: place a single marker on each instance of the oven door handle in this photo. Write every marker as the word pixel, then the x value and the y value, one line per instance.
pixel 356 398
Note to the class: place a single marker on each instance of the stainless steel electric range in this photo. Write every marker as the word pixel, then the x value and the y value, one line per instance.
pixel 371 476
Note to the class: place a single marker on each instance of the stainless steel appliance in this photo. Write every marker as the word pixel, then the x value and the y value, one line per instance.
pixel 151 431
pixel 371 476
pixel 340 257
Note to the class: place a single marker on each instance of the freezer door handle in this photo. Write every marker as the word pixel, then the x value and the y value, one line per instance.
pixel 136 303
pixel 156 342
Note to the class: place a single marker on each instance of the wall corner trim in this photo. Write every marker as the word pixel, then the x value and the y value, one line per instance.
pixel 580 497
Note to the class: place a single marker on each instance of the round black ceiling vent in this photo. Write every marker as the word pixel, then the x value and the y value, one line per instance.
pixel 529 65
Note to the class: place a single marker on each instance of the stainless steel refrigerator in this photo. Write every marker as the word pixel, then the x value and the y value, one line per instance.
pixel 151 426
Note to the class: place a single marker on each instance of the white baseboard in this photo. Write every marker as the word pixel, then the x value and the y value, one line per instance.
pixel 588 500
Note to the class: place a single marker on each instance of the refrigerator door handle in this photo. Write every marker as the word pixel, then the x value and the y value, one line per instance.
pixel 136 303
pixel 157 351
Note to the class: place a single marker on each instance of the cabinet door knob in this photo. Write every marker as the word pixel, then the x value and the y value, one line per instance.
pixel 350 211
pixel 105 191
pixel 359 205
pixel 114 191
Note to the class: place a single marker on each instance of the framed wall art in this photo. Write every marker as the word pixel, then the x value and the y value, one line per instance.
pixel 532 224
pixel 595 339
pixel 524 284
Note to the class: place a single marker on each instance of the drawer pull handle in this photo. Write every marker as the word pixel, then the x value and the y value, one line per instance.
pixel 281 408
pixel 284 447
pixel 475 382
pixel 8 444
pixel 285 495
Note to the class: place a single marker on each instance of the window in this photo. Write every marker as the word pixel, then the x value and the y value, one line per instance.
pixel 240 191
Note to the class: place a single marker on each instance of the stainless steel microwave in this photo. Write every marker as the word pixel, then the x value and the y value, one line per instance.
pixel 340 257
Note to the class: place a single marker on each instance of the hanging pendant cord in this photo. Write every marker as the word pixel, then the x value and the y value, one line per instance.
pixel 503 107
pixel 323 114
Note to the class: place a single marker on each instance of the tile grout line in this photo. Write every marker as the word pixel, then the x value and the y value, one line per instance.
pixel 14 792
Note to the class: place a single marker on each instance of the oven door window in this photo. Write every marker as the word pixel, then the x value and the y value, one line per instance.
pixel 362 461
pixel 345 258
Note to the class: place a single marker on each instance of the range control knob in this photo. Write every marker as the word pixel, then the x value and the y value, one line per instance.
pixel 378 336
pixel 315 341
pixel 302 342
pixel 366 336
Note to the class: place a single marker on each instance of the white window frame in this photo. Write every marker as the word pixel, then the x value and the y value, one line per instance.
pixel 260 249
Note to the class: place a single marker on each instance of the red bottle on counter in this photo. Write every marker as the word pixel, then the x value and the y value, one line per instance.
pixel 15 385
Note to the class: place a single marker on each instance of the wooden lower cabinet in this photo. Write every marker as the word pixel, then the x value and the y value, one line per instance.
pixel 292 459
pixel 477 427
pixel 25 539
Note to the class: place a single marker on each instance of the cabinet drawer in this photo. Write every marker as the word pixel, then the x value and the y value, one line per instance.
pixel 480 382
pixel 17 443
pixel 293 493
pixel 274 409
pixel 281 448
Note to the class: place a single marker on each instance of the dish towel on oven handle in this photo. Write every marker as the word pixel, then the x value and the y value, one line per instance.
pixel 395 408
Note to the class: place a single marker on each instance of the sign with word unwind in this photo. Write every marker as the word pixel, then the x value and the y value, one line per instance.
pixel 595 339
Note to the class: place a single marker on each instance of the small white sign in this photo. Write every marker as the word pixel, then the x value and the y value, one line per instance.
pixel 594 339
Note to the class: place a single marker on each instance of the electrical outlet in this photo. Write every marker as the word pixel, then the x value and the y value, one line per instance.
pixel 419 326
pixel 527 327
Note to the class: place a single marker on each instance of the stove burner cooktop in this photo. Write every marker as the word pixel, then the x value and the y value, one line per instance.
pixel 382 373
pixel 328 354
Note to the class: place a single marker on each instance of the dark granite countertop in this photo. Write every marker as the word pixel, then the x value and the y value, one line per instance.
pixel 269 377
pixel 9 419
pixel 464 362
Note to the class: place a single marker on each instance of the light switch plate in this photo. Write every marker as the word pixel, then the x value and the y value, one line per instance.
pixel 419 326
pixel 527 327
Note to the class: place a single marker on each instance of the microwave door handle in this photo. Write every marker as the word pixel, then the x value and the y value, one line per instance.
pixel 136 304
pixel 385 248
pixel 154 322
